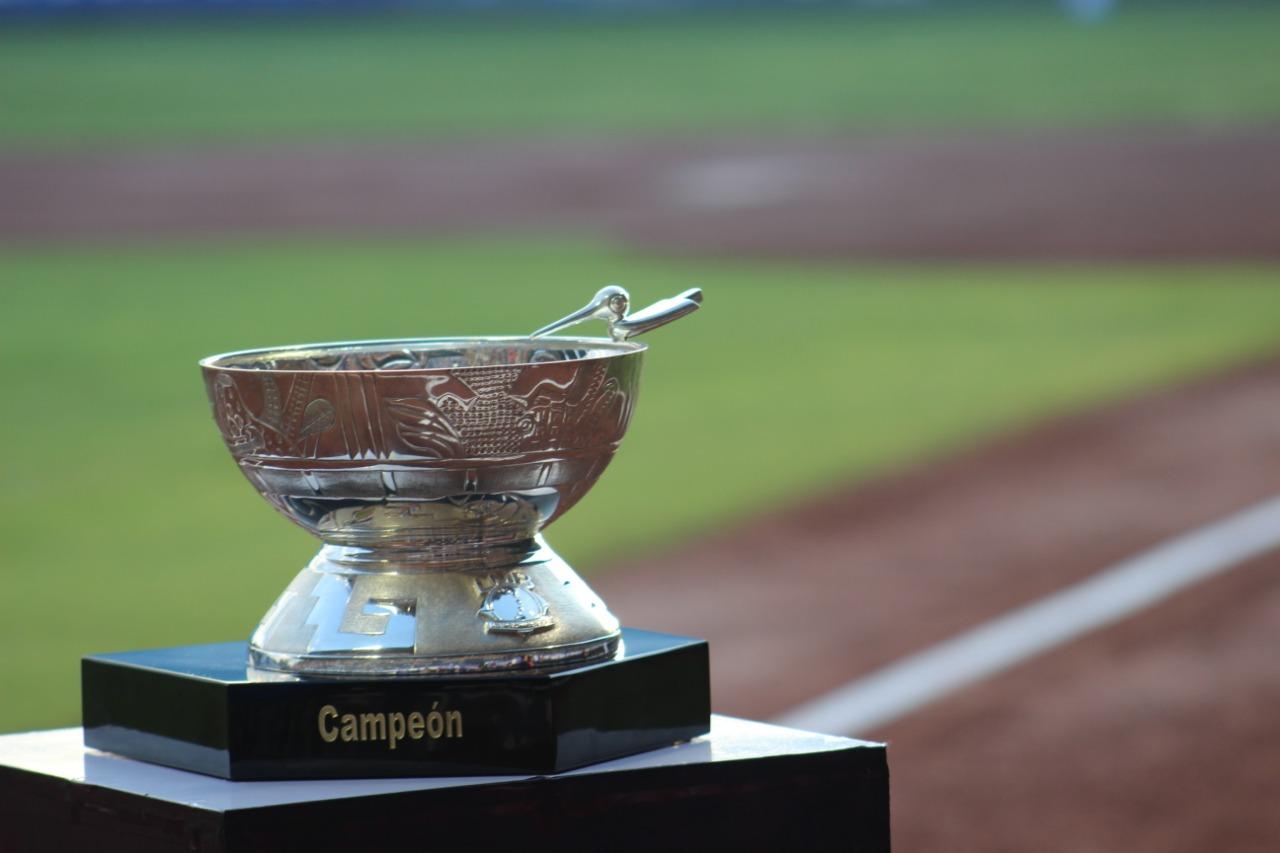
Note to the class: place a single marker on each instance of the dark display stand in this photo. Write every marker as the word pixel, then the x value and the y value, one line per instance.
pixel 198 708
pixel 746 786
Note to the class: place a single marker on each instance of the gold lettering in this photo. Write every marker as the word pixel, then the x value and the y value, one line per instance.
pixel 328 734
pixel 435 723
pixel 395 729
pixel 349 730
pixel 390 728
pixel 373 726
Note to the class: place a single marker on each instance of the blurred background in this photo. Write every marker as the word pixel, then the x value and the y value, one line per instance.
pixel 991 307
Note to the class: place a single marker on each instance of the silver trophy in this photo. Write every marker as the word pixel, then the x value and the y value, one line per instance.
pixel 428 468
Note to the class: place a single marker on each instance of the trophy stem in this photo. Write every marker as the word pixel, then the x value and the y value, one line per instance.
pixel 365 611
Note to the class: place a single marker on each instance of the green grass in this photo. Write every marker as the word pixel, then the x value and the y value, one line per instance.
pixel 980 67
pixel 125 523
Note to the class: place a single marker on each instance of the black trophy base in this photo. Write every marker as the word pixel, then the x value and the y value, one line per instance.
pixel 197 708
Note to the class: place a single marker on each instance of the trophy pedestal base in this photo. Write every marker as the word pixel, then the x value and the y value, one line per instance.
pixel 201 708
pixel 746 786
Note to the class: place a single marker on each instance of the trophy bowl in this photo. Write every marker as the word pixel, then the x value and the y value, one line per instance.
pixel 428 468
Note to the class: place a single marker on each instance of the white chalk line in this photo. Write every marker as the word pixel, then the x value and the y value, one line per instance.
pixel 1005 641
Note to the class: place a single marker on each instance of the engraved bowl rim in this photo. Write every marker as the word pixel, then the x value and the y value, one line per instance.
pixel 608 349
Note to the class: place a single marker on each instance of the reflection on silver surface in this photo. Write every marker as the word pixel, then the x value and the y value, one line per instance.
pixel 428 468
pixel 340 619
pixel 611 304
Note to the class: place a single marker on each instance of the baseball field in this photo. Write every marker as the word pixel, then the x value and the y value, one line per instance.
pixel 967 65
pixel 991 306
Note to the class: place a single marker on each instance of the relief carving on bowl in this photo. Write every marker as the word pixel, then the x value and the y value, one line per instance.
pixel 486 413
pixel 458 414
pixel 280 427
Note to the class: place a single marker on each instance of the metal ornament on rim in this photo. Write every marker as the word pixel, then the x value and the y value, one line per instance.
pixel 428 468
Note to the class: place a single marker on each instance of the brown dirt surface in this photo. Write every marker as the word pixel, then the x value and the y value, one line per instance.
pixel 813 596
pixel 1053 195
pixel 1159 734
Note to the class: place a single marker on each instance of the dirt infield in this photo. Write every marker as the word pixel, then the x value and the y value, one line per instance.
pixel 1083 749
pixel 1185 194
pixel 1158 734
